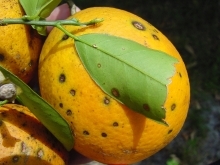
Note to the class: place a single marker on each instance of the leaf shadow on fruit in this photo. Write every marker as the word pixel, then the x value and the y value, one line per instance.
pixel 8 140
pixel 137 122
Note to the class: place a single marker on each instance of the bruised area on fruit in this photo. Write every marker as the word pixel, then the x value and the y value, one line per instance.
pixel 23 137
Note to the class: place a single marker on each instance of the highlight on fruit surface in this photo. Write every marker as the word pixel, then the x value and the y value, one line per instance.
pixel 25 141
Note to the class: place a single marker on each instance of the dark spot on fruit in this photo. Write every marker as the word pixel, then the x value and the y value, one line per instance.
pixel 146 107
pixel 106 100
pixel 115 124
pixel 15 159
pixel 68 112
pixel 62 78
pixel 72 92
pixel 173 106
pixel 65 37
pixel 138 25
pixel 155 37
pixel 115 92
pixel 61 105
pixel 104 134
pixel 1 122
pixel 2 57
pixel 155 30
pixel 180 74
pixel 170 131
pixel 85 133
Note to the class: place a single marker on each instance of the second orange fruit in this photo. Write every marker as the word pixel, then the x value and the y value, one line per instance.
pixel 104 129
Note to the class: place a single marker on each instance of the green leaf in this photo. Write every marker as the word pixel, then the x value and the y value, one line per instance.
pixel 129 72
pixel 49 117
pixel 38 10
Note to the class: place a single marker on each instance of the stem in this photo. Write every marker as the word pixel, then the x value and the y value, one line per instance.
pixel 75 22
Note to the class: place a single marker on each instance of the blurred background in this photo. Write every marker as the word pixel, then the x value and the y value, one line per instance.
pixel 193 27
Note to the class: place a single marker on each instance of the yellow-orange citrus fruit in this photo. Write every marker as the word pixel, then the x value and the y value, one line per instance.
pixel 24 140
pixel 104 129
pixel 20 45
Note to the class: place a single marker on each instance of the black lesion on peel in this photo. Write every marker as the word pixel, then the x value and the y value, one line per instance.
pixel 106 100
pixel 2 57
pixel 155 37
pixel 104 134
pixel 72 92
pixel 138 25
pixel 65 37
pixel 69 112
pixel 170 131
pixel 85 132
pixel 115 124
pixel 173 107
pixel 61 105
pixel 15 159
pixel 62 78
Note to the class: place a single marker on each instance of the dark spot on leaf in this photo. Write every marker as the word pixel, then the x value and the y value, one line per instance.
pixel 104 134
pixel 94 46
pixel 170 131
pixel 2 57
pixel 65 37
pixel 99 65
pixel 85 133
pixel 68 112
pixel 115 92
pixel 155 37
pixel 15 159
pixel 106 100
pixel 180 74
pixel 62 78
pixel 138 25
pixel 115 124
pixel 72 92
pixel 146 107
pixel 61 105
pixel 173 106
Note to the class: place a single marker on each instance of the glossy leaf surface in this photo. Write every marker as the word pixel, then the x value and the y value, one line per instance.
pixel 129 72
pixel 48 116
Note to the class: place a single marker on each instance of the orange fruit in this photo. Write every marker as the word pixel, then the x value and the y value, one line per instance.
pixel 20 45
pixel 24 140
pixel 104 129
